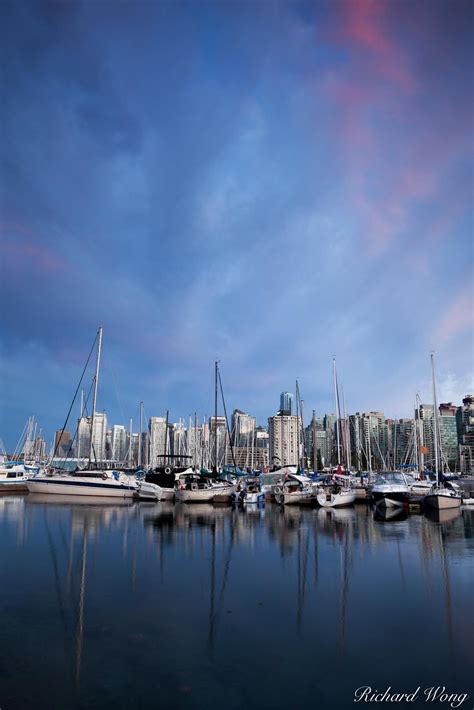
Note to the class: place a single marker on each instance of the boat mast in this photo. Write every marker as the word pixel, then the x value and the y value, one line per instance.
pixel 435 420
pixel 94 401
pixel 336 398
pixel 215 414
pixel 347 432
pixel 139 461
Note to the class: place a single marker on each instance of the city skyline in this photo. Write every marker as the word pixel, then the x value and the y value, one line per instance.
pixel 266 184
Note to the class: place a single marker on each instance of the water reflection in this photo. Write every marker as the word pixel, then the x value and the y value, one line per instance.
pixel 120 582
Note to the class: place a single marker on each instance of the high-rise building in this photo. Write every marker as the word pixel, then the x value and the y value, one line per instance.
pixel 218 440
pixel 466 429
pixel 283 440
pixel 158 441
pixel 243 426
pixel 63 443
pixel 119 443
pixel 83 437
pixel 99 431
pixel 286 403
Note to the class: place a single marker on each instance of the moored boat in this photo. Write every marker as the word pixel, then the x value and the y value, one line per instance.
pixel 391 490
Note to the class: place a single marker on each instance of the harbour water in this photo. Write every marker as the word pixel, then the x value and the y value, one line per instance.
pixel 134 605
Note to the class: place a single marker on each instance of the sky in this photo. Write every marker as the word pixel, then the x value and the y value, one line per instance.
pixel 268 184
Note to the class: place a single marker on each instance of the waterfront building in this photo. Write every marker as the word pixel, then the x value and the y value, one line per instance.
pixel 448 433
pixel 286 403
pixel 63 443
pixel 466 431
pixel 283 440
pixel 83 437
pixel 403 443
pixel 119 443
pixel 218 430
pixel 99 431
pixel 243 427
pixel 158 439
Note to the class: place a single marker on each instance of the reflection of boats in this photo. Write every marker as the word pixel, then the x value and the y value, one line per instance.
pixel 77 501
pixel 391 490
pixel 341 515
pixel 392 513
pixel 443 515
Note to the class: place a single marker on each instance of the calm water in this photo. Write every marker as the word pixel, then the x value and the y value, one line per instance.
pixel 162 606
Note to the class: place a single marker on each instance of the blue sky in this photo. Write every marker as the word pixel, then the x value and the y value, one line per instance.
pixel 266 183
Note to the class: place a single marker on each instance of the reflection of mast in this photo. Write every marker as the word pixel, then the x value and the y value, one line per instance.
pixel 302 568
pixel 345 563
pixel 80 619
pixel 214 613
pixel 447 592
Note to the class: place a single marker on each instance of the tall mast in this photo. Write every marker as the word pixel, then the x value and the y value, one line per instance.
pixel 298 446
pixel 94 401
pixel 336 398
pixel 435 420
pixel 166 438
pixel 347 433
pixel 139 461
pixel 215 416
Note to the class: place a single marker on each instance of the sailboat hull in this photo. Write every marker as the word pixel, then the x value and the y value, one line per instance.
pixel 335 500
pixel 97 488
pixel 442 501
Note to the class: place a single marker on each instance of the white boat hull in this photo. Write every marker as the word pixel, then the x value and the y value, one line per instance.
pixel 335 500
pixel 81 487
pixel 167 494
pixel 202 495
pixel 442 501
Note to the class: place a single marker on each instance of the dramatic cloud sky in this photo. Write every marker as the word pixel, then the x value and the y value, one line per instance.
pixel 265 183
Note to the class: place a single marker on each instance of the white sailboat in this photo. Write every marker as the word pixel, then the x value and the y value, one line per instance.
pixel 92 481
pixel 442 496
pixel 336 495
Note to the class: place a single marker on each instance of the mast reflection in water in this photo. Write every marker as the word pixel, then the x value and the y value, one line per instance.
pixel 157 605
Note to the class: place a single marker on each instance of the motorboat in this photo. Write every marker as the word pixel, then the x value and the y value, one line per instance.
pixel 296 490
pixel 335 496
pixel 251 493
pixel 112 484
pixel 193 488
pixel 391 490
pixel 14 481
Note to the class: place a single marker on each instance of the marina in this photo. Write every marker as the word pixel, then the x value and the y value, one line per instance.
pixel 194 604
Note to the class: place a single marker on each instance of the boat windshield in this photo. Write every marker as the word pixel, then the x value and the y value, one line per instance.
pixel 391 477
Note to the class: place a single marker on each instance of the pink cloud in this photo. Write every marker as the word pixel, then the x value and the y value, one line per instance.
pixel 458 317
pixel 20 249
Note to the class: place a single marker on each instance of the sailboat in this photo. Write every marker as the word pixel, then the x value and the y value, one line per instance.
pixel 336 494
pixel 92 481
pixel 195 488
pixel 442 496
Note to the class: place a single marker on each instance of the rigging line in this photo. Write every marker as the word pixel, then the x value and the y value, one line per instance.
pixel 76 433
pixel 108 362
pixel 226 420
pixel 74 399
